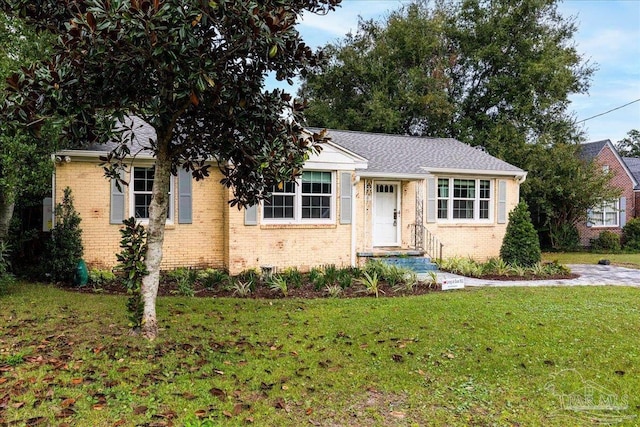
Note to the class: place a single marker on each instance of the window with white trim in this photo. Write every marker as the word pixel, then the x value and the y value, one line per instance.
pixel 605 215
pixel 311 198
pixel 465 199
pixel 141 193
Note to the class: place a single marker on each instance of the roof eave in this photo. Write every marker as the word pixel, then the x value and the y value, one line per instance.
pixel 484 172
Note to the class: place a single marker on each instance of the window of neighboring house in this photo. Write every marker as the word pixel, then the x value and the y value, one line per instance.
pixel 309 199
pixel 605 169
pixel 142 193
pixel 605 215
pixel 464 199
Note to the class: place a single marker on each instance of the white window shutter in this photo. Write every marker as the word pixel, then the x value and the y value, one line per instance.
pixel 116 210
pixel 502 202
pixel 623 211
pixel 346 194
pixel 185 208
pixel 251 215
pixel 432 197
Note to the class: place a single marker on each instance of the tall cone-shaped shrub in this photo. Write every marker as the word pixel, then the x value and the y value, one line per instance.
pixel 520 245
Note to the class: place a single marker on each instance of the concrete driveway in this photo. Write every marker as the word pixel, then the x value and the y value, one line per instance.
pixel 590 274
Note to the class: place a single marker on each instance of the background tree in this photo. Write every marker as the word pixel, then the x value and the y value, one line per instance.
pixel 25 164
pixel 630 146
pixel 491 73
pixel 495 73
pixel 560 189
pixel 387 77
pixel 194 71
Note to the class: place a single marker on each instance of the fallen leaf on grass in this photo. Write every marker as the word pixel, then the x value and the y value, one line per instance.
pixel 66 413
pixel 139 410
pixel 237 409
pixel 17 405
pixel 68 402
pixel 280 404
pixel 220 394
pixel 397 358
pixel 35 421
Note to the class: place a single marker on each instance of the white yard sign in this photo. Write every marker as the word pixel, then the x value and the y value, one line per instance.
pixel 453 283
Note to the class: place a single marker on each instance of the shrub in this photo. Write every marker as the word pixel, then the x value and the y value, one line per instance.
pixel 345 277
pixel 631 235
pixel 210 278
pixel 371 283
pixel 251 277
pixel 131 264
pixel 6 278
pixel 99 277
pixel 185 278
pixel 293 276
pixel 240 288
pixel 64 249
pixel 496 266
pixel 606 241
pixel 278 283
pixel 333 291
pixel 317 278
pixel 520 245
pixel 565 237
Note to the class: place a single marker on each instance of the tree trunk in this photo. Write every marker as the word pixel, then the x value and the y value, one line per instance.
pixel 7 203
pixel 155 239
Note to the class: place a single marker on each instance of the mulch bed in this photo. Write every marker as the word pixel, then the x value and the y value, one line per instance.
pixel 307 290
pixel 262 291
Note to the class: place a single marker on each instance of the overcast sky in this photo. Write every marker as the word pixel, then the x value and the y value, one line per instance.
pixel 608 36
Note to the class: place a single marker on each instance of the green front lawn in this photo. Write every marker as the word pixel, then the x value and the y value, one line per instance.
pixel 625 260
pixel 487 356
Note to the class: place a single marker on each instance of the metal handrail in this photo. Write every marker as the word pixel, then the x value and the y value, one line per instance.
pixel 423 239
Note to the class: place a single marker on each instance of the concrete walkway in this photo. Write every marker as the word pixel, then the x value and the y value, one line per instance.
pixel 592 274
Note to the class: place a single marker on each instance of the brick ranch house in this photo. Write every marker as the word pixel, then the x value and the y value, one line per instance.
pixel 612 215
pixel 363 195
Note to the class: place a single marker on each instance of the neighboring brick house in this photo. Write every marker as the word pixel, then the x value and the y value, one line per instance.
pixel 612 215
pixel 363 193
pixel 633 164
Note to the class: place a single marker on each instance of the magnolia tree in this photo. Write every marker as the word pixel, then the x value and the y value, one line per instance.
pixel 192 69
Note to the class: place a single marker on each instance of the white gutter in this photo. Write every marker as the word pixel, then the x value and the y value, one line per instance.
pixel 53 192
pixel 387 175
pixel 521 175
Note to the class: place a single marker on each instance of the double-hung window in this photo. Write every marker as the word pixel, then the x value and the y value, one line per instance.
pixel 605 215
pixel 142 179
pixel 464 199
pixel 311 198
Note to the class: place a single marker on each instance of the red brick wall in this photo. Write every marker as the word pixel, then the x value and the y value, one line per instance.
pixel 620 180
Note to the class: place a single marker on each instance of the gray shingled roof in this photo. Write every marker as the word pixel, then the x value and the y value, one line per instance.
pixel 410 155
pixel 389 154
pixel 590 150
pixel 142 132
pixel 633 164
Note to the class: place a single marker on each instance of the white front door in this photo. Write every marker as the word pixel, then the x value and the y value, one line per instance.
pixel 386 214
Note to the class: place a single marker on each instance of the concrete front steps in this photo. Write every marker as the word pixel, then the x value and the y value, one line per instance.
pixel 406 258
pixel 416 264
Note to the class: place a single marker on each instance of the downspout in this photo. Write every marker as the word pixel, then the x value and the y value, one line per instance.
pixel 53 191
pixel 354 223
